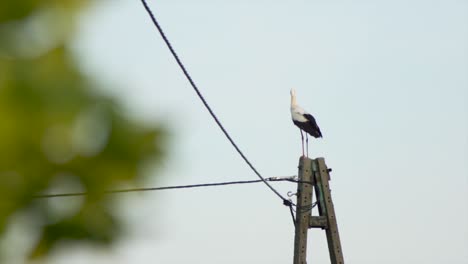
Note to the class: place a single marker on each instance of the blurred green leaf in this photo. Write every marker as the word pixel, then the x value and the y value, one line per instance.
pixel 56 131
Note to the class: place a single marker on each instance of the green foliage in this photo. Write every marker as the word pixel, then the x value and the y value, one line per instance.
pixel 16 10
pixel 57 133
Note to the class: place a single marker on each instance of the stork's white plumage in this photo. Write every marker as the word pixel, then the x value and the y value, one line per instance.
pixel 305 121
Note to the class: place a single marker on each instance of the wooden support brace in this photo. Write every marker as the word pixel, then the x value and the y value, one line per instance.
pixel 326 208
pixel 318 222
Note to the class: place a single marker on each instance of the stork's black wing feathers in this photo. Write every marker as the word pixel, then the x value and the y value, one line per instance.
pixel 312 127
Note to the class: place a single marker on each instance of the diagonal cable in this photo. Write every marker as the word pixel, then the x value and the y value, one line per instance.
pixel 194 86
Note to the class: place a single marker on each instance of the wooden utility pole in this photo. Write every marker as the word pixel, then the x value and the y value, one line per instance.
pixel 304 201
pixel 314 174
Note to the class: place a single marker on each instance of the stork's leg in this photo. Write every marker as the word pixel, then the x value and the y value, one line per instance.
pixel 307 145
pixel 302 138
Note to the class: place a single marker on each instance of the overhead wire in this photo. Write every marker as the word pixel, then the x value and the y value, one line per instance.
pixel 271 179
pixel 194 86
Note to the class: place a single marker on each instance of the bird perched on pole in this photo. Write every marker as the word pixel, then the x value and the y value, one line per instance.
pixel 305 121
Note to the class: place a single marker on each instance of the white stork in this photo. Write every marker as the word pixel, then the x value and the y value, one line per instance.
pixel 304 121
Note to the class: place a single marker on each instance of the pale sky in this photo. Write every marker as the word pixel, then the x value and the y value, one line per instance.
pixel 386 80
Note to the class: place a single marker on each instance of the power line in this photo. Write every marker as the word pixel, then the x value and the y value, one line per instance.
pixel 194 86
pixel 272 179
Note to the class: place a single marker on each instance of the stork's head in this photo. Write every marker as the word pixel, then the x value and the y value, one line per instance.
pixel 293 97
pixel 293 92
